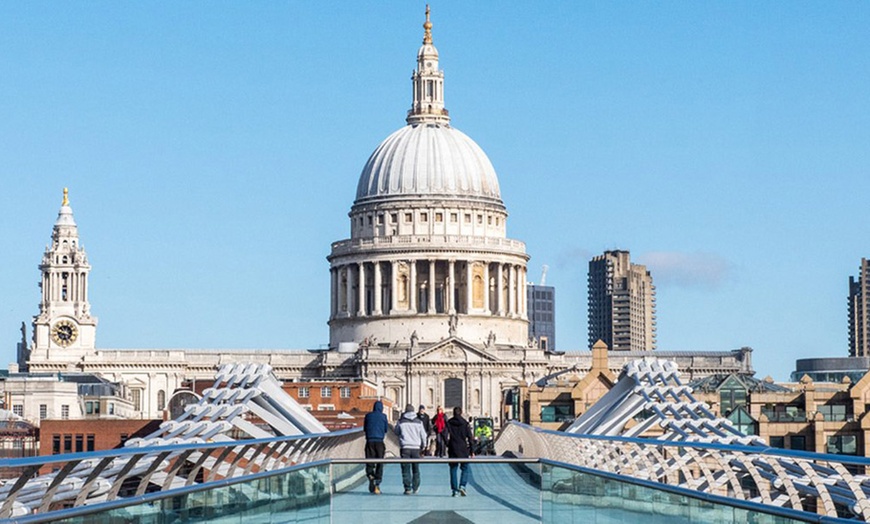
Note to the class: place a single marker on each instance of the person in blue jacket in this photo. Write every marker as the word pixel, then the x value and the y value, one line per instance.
pixel 375 427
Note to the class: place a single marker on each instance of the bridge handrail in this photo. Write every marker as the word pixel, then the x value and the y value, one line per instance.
pixel 761 450
pixel 79 478
pixel 44 460
pixel 801 480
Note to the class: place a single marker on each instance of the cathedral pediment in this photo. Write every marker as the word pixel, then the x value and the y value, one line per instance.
pixel 452 349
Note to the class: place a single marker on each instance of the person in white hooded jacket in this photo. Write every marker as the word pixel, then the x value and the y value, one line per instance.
pixel 412 440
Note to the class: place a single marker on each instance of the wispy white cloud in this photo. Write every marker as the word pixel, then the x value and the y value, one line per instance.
pixel 690 270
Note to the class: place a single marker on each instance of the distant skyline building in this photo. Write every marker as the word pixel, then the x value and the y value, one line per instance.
pixel 621 303
pixel 542 315
pixel 859 324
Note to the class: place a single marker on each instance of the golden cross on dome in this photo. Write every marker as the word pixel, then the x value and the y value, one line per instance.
pixel 427 36
pixel 65 197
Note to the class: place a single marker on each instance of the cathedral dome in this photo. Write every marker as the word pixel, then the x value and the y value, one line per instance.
pixel 431 160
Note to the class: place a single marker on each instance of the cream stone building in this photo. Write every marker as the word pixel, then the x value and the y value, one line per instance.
pixel 428 295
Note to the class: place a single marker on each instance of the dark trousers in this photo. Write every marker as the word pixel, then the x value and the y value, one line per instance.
pixel 377 450
pixel 463 478
pixel 441 444
pixel 411 471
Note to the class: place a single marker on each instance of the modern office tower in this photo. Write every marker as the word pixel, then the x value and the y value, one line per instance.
pixel 622 303
pixel 542 315
pixel 859 323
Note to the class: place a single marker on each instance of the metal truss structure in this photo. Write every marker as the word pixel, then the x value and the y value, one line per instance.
pixel 246 423
pixel 650 427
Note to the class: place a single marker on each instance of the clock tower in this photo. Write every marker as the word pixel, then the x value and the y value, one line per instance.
pixel 64 330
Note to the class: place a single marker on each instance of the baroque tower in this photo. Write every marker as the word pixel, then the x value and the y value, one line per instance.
pixel 64 329
pixel 428 257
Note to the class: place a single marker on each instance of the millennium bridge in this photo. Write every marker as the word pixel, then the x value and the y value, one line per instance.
pixel 647 451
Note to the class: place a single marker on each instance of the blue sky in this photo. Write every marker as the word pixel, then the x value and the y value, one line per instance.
pixel 212 153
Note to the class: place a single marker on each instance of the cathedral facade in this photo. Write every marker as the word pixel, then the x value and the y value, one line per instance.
pixel 428 295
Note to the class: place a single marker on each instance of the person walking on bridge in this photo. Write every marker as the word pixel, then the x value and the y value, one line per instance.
pixel 459 445
pixel 412 440
pixel 375 427
pixel 439 424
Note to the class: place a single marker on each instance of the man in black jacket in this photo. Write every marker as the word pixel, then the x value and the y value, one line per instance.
pixel 427 425
pixel 459 445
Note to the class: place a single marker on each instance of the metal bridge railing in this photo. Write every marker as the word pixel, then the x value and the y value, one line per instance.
pixel 46 483
pixel 831 485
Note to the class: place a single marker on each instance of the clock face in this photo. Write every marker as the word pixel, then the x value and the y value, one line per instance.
pixel 64 333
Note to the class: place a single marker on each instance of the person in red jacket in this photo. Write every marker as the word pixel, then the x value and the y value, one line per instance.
pixel 439 424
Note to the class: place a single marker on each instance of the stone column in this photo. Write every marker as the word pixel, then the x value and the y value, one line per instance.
pixel 394 297
pixel 349 290
pixel 524 291
pixel 333 287
pixel 512 290
pixel 412 299
pixel 431 286
pixel 451 289
pixel 469 288
pixel 499 296
pixel 378 291
pixel 486 287
pixel 361 290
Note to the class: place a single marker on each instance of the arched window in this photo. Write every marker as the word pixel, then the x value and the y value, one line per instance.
pixel 476 397
pixel 161 400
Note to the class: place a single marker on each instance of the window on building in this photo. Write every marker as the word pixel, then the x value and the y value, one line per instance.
pixel 111 408
pixel 304 392
pixel 326 407
pixel 454 217
pixel 834 412
pixel 137 399
pixel 43 411
pixel 489 220
pixel 55 444
pixel 424 217
pixel 497 220
pixel 480 219
pixel 468 217
pixel 161 400
pixel 90 443
pixel 743 421
pixel 67 444
pixel 344 392
pixel 439 217
pixel 798 442
pixel 326 392
pixel 394 217
pixel 843 445
pixel 64 411
pixel 557 413
pixel 370 219
pixel 777 442
pixel 18 409
pixel 732 393
pixel 80 443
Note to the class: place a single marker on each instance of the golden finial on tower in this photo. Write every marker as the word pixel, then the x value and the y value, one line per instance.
pixel 427 36
pixel 65 197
